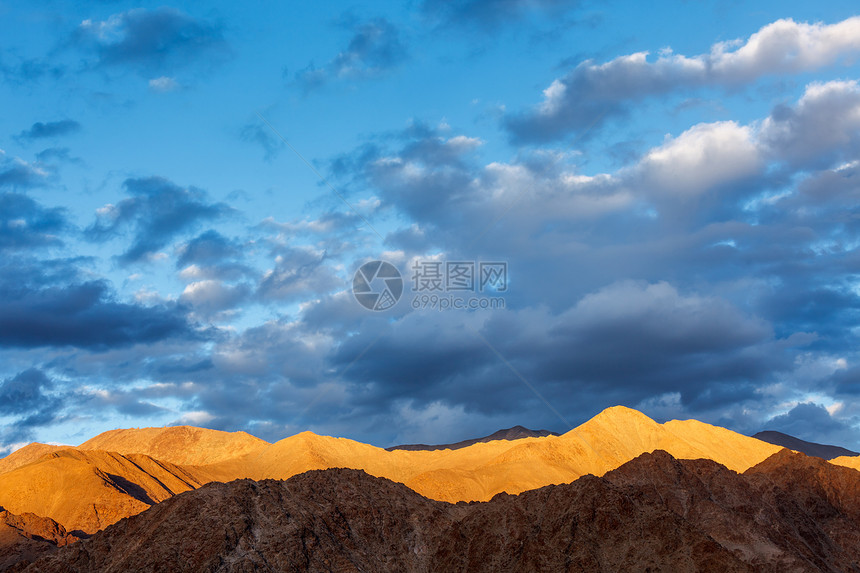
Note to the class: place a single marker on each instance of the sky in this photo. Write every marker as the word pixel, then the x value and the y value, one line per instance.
pixel 580 204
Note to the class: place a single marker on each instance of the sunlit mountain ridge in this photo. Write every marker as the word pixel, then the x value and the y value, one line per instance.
pixel 123 472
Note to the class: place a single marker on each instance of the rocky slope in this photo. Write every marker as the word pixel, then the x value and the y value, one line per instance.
pixel 86 491
pixel 654 513
pixel 25 538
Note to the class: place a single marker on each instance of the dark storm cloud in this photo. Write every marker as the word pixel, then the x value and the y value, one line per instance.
pixel 812 422
pixel 150 40
pixel 374 49
pixel 27 396
pixel 24 393
pixel 628 339
pixel 45 304
pixel 667 339
pixel 24 223
pixel 41 130
pixel 810 305
pixel 845 382
pixel 158 211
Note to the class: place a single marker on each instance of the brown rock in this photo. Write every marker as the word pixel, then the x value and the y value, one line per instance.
pixel 25 538
pixel 345 520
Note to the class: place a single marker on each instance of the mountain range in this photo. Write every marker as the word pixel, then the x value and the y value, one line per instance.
pixel 742 502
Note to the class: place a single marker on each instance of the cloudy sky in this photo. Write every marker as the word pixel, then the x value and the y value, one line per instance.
pixel 187 192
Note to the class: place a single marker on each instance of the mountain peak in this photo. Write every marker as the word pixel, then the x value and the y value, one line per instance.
pixel 621 418
pixel 624 413
pixel 177 444
pixel 26 455
pixel 515 433
pixel 824 451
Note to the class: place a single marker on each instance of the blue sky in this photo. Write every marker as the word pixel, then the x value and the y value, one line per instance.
pixel 187 192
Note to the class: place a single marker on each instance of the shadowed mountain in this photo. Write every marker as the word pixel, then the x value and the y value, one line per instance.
pixel 823 451
pixel 25 538
pixel 654 513
pixel 515 433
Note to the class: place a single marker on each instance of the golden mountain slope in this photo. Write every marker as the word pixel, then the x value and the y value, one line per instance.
pixel 28 454
pixel 89 490
pixel 85 489
pixel 478 472
pixel 177 444
pixel 847 461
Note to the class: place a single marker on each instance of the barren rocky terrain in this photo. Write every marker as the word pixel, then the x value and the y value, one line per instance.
pixel 654 513
pixel 619 492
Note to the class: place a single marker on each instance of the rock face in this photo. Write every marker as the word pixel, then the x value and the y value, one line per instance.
pixel 515 433
pixel 823 451
pixel 654 513
pixel 25 538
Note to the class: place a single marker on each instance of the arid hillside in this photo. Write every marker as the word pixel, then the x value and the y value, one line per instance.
pixel 654 513
pixel 121 473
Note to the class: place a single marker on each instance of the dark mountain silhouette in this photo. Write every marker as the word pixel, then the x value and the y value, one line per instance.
pixel 809 448
pixel 655 513
pixel 515 433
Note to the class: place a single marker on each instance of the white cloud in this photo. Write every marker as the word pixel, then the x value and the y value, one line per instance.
pixel 213 295
pixel 163 84
pixel 463 143
pixel 195 418
pixel 785 46
pixel 704 156
pixel 825 120
pixel 592 92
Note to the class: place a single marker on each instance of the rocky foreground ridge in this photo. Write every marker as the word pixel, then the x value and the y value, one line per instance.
pixel 654 513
